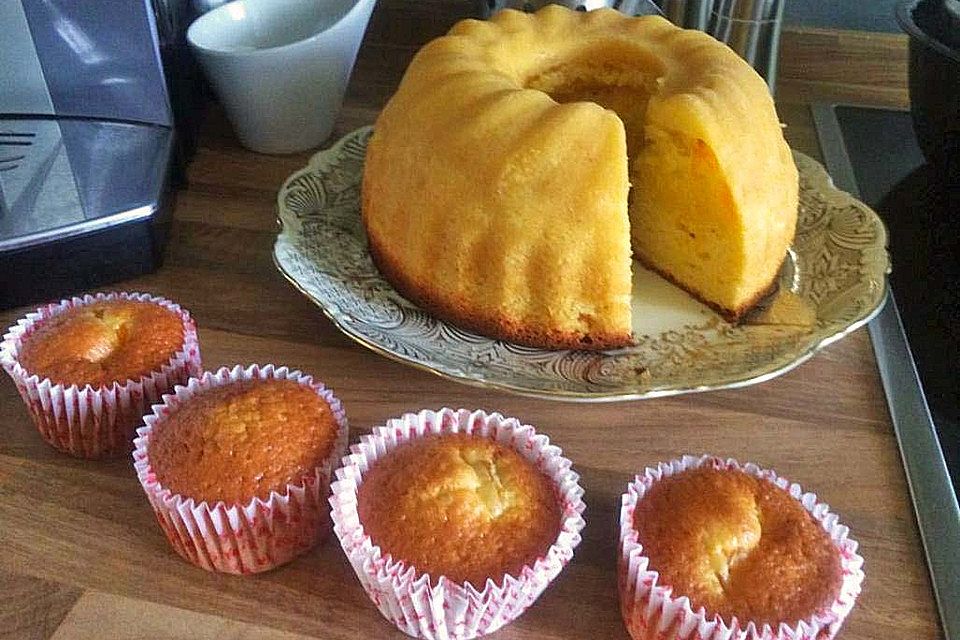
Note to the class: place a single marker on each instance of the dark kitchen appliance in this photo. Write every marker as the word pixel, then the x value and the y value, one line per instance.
pixel 907 166
pixel 934 30
pixel 875 154
pixel 87 147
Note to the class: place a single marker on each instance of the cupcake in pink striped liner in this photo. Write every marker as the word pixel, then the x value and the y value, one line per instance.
pixel 714 550
pixel 456 521
pixel 237 466
pixel 89 368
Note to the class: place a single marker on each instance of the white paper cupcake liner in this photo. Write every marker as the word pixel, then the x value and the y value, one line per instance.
pixel 95 422
pixel 426 607
pixel 651 611
pixel 262 533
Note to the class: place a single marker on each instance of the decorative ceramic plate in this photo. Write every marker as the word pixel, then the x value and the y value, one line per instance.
pixel 833 281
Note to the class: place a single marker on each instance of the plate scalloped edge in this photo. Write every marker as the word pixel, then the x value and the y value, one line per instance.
pixel 839 265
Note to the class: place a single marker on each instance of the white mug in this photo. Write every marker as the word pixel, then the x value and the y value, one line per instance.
pixel 281 67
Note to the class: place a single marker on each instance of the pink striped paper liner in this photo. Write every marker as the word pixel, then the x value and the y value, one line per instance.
pixel 95 422
pixel 652 612
pixel 246 537
pixel 425 606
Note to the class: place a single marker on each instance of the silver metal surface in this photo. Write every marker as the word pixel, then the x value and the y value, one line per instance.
pixel 38 191
pixel 752 29
pixel 489 7
pixel 934 501
pixel 21 74
pixel 200 7
pixel 78 229
pixel 629 7
pixel 675 10
pixel 749 27
pixel 698 14
pixel 689 14
pixel 91 67
pixel 60 178
pixel 85 127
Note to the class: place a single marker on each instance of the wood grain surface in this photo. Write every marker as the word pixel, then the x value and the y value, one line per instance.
pixel 831 65
pixel 82 556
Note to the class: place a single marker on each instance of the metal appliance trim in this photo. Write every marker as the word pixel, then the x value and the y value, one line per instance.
pixel 80 228
pixel 934 501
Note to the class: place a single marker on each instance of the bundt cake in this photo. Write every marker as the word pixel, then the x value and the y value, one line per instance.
pixel 523 160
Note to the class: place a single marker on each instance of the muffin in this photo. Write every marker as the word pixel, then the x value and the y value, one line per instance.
pixel 454 505
pixel 709 546
pixel 89 368
pixel 456 521
pixel 237 463
pixel 103 342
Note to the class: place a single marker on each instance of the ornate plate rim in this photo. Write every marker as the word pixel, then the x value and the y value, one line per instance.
pixel 820 178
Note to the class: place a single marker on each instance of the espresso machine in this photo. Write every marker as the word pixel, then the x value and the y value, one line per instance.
pixel 88 151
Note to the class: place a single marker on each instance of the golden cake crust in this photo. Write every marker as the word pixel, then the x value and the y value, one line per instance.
pixel 103 342
pixel 468 317
pixel 460 506
pixel 737 546
pixel 242 440
pixel 497 183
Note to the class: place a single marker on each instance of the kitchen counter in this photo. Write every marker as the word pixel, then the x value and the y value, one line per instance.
pixel 83 556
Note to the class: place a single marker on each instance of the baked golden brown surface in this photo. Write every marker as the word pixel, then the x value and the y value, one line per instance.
pixel 524 159
pixel 103 342
pixel 242 440
pixel 737 546
pixel 459 506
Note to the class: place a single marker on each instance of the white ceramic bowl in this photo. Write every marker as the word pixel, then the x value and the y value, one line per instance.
pixel 281 67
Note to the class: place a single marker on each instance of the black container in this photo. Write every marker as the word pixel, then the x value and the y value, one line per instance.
pixel 929 199
pixel 934 82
